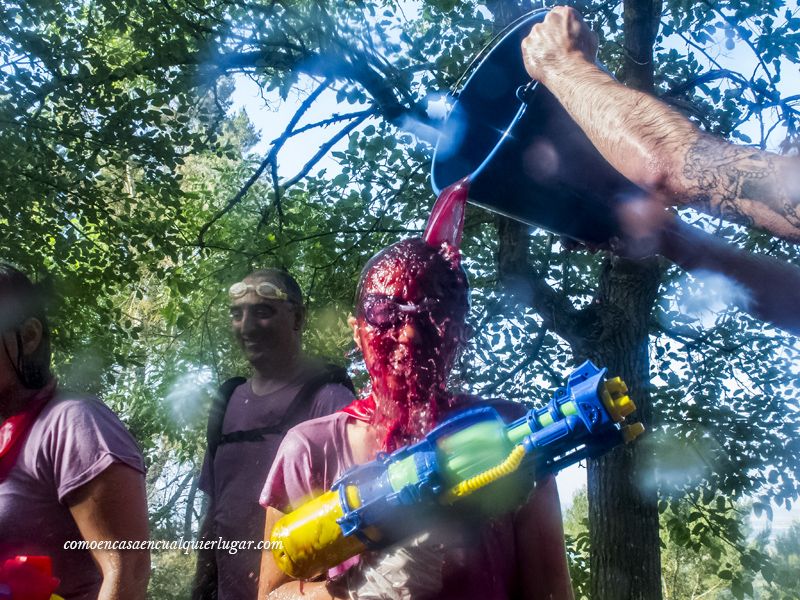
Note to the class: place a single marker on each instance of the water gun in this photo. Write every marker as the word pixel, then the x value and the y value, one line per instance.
pixel 473 452
pixel 28 578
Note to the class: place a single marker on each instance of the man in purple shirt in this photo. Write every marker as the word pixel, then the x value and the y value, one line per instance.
pixel 287 387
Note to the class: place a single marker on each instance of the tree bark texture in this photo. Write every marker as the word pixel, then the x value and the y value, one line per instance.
pixel 641 20
pixel 613 332
pixel 623 509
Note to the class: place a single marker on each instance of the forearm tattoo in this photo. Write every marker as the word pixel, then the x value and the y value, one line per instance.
pixel 743 184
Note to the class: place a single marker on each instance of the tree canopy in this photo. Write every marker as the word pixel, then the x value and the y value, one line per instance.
pixel 131 182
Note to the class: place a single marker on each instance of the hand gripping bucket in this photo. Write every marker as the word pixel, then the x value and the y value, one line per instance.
pixel 524 156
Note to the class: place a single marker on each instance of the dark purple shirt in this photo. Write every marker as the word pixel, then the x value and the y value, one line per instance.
pixel 71 442
pixel 235 480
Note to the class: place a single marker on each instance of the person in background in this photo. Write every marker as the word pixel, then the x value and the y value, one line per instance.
pixel 249 421
pixel 411 306
pixel 675 164
pixel 69 470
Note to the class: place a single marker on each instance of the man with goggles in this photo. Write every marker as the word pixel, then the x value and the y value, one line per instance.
pixel 264 289
pixel 249 420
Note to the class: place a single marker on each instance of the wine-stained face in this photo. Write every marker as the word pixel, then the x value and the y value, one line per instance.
pixel 410 322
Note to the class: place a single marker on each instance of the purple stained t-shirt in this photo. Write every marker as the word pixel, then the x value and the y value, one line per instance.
pixel 237 476
pixel 479 564
pixel 72 442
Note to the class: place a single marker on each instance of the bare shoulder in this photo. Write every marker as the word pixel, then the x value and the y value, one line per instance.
pixel 747 185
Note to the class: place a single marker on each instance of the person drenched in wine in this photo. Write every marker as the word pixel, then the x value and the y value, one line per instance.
pixel 410 322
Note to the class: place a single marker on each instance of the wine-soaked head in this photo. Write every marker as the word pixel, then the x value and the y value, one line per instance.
pixel 411 308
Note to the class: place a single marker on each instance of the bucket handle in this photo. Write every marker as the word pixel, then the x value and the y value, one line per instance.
pixel 524 93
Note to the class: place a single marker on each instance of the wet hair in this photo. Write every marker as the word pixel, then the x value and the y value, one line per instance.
pixel 20 300
pixel 283 279
pixel 437 268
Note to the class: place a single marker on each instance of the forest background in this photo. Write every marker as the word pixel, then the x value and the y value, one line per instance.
pixel 134 184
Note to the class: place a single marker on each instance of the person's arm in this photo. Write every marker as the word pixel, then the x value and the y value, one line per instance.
pixel 655 146
pixel 771 287
pixel 540 550
pixel 274 583
pixel 113 507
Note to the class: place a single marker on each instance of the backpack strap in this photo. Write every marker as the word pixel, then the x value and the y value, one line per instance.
pixel 216 414
pixel 298 408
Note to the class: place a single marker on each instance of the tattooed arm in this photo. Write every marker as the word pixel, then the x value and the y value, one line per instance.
pixel 743 184
pixel 655 146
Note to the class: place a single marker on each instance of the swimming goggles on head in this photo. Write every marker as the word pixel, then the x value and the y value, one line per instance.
pixel 265 289
pixel 384 311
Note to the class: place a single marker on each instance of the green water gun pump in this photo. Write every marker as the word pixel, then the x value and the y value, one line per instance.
pixel 472 450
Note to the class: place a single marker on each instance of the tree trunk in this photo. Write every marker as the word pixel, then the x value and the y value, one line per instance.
pixel 623 509
pixel 188 515
pixel 613 332
pixel 641 20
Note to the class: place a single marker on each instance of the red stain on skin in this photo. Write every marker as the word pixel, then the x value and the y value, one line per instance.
pixel 411 308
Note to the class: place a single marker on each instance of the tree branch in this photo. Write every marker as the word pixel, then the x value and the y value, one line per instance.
pixel 269 159
pixel 336 118
pixel 531 355
pixel 706 77
pixel 323 150
pixel 555 308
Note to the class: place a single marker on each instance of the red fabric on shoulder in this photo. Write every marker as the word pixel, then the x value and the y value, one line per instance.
pixel 361 409
pixel 14 429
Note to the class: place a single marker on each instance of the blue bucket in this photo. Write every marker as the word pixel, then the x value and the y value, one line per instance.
pixel 524 155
